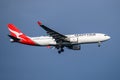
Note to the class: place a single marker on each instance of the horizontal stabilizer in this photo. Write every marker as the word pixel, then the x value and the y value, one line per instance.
pixel 14 38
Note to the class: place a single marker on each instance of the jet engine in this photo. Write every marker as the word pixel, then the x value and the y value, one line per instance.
pixel 74 47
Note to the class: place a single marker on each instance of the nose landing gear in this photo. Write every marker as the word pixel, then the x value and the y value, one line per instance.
pixel 99 44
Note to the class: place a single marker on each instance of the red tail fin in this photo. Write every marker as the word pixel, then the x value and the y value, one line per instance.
pixel 16 34
pixel 14 31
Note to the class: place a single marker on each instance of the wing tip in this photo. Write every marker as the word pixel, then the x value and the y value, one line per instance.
pixel 39 23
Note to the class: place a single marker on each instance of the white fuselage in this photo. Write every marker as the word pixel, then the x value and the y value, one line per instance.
pixel 74 39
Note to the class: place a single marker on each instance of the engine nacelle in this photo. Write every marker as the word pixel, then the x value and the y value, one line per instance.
pixel 75 47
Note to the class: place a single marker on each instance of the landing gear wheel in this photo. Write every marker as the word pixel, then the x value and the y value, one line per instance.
pixel 59 52
pixel 99 44
pixel 62 50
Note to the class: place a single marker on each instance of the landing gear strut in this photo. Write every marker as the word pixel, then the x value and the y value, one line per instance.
pixel 99 44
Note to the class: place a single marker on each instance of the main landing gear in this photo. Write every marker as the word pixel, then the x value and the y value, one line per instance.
pixel 61 50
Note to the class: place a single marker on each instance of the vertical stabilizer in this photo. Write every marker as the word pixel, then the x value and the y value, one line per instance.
pixel 18 36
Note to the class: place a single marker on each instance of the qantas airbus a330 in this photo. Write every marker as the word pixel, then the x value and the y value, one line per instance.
pixel 56 39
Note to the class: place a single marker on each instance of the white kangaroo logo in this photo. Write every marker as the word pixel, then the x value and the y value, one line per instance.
pixel 17 34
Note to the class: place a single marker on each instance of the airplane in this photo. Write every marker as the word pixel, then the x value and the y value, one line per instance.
pixel 56 39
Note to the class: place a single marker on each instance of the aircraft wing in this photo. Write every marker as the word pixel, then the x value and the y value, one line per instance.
pixel 57 36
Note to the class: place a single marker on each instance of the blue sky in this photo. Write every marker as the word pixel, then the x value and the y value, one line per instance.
pixel 22 62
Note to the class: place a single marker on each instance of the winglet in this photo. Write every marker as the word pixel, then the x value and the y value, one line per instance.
pixel 39 23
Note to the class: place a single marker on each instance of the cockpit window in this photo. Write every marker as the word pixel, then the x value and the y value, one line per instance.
pixel 105 35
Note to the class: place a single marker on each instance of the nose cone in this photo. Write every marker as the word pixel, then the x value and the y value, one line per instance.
pixel 108 37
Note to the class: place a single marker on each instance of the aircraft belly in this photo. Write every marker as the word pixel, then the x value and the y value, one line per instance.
pixel 45 42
